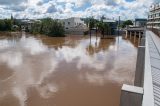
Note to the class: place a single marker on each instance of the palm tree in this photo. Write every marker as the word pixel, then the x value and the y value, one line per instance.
pixel 86 21
pixel 91 24
pixel 101 27
pixel 96 25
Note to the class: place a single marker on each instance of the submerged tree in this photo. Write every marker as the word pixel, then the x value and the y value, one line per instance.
pixel 102 27
pixel 48 27
pixel 56 28
pixel 92 23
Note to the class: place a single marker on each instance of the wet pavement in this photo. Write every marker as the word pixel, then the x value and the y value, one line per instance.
pixel 70 71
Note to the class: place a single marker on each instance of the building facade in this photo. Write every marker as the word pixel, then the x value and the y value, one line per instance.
pixel 73 23
pixel 154 17
pixel 140 22
pixel 112 26
pixel 74 26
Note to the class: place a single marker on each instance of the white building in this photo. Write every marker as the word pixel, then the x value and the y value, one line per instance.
pixel 154 17
pixel 72 23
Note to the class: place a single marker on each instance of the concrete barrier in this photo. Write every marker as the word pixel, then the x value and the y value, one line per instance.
pixel 131 96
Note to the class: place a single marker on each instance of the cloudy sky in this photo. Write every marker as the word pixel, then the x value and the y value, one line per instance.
pixel 127 9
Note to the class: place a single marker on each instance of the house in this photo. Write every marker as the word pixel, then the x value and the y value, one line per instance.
pixel 26 24
pixel 74 25
pixel 154 17
pixel 140 22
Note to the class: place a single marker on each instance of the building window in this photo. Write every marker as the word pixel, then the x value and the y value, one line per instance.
pixel 69 23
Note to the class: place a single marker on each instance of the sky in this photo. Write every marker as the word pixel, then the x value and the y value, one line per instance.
pixel 60 9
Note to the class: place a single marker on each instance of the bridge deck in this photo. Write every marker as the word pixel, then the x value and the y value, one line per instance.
pixel 154 51
pixel 135 29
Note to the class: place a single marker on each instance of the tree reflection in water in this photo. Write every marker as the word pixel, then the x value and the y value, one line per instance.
pixel 70 71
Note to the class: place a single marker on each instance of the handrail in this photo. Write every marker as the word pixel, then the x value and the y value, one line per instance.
pixel 133 95
pixel 148 98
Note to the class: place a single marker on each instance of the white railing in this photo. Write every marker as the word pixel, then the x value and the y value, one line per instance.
pixel 148 99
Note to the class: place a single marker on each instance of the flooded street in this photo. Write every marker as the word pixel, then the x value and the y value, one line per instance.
pixel 70 71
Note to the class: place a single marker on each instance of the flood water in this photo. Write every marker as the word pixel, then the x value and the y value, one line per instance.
pixel 70 71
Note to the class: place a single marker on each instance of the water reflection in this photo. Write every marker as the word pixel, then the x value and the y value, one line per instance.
pixel 42 71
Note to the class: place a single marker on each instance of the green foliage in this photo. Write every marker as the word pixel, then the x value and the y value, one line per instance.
pixel 5 25
pixel 17 22
pixel 86 21
pixel 36 28
pixel 92 23
pixel 102 27
pixel 56 29
pixel 128 22
pixel 2 25
pixel 48 27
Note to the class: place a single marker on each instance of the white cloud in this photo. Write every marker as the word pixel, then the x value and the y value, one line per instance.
pixel 68 8
pixel 11 2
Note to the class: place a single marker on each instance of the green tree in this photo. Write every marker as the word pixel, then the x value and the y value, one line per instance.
pixel 2 25
pixel 48 27
pixel 8 24
pixel 102 27
pixel 128 22
pixel 92 23
pixel 36 28
pixel 86 21
pixel 56 29
pixel 5 25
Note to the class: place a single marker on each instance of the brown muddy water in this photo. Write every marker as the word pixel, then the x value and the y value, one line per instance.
pixel 70 71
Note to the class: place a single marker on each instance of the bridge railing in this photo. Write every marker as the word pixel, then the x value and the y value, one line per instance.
pixel 133 95
pixel 154 30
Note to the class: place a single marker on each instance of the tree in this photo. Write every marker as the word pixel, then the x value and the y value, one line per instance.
pixel 2 25
pixel 91 24
pixel 102 27
pixel 86 21
pixel 56 29
pixel 48 27
pixel 128 22
pixel 45 26
pixel 8 24
pixel 35 28
pixel 5 25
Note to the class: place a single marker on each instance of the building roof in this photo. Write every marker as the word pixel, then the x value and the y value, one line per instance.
pixel 109 20
pixel 140 19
